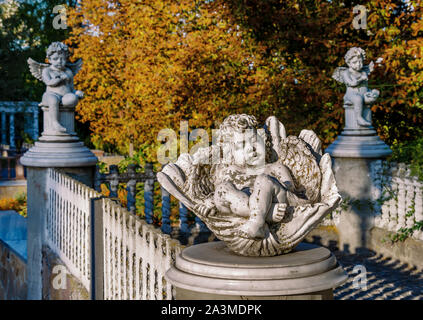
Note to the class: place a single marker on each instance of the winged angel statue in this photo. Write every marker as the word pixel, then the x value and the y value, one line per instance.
pixel 355 77
pixel 58 76
pixel 258 190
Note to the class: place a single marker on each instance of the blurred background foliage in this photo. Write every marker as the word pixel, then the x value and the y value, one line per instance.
pixel 150 64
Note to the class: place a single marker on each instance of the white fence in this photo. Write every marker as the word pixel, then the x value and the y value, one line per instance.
pixel 68 231
pixel 400 196
pixel 136 254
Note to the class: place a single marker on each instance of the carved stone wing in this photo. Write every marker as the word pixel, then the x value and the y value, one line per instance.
pixel 75 67
pixel 37 68
pixel 337 74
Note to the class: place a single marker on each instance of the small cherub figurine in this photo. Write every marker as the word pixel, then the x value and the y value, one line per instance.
pixel 267 192
pixel 355 77
pixel 259 190
pixel 58 76
pixel 246 183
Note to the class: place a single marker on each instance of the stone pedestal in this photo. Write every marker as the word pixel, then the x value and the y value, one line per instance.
pixel 60 149
pixel 209 271
pixel 63 150
pixel 352 153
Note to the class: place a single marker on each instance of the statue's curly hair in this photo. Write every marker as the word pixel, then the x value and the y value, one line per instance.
pixel 354 52
pixel 57 47
pixel 241 123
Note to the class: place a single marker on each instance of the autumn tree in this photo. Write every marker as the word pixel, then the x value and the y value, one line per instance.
pixel 26 30
pixel 150 64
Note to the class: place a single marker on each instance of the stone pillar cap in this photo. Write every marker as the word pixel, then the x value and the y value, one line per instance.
pixel 213 268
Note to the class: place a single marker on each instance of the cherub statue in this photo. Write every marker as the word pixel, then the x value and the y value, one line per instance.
pixel 268 192
pixel 355 78
pixel 58 76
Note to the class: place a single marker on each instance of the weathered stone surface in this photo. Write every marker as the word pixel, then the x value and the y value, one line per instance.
pixel 13 284
pixel 53 289
pixel 409 251
pixel 214 272
pixel 267 192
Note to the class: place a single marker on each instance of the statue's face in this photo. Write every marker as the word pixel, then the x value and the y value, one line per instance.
pixel 356 63
pixel 248 148
pixel 58 60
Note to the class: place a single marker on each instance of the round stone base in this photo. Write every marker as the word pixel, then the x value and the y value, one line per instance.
pixel 348 145
pixel 58 155
pixel 211 271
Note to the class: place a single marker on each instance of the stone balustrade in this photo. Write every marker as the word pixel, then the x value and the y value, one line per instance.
pixel 8 110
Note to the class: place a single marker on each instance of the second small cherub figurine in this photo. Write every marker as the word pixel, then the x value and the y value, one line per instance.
pixel 355 77
pixel 58 76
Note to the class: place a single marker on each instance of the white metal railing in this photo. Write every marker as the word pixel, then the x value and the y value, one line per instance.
pixel 401 194
pixel 68 231
pixel 136 256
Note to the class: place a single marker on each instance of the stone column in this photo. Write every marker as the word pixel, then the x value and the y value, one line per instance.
pixel 353 153
pixel 12 131
pixel 50 151
pixel 3 128
pixel 35 127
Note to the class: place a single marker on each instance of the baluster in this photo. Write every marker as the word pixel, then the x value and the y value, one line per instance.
pixel 410 196
pixel 114 181
pixel 3 129
pixel 393 210
pixel 184 231
pixel 98 178
pixel 131 188
pixel 418 205
pixel 166 227
pixel 402 209
pixel 137 250
pixel 148 193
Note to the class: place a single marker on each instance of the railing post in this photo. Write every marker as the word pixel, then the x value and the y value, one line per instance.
pixel 114 182
pixel 97 249
pixel 148 194
pixel 131 188
pixel 98 177
pixel 3 128
pixel 12 131
pixel 184 231
pixel 166 228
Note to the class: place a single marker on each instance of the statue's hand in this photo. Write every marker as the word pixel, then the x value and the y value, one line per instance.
pixel 64 76
pixel 205 211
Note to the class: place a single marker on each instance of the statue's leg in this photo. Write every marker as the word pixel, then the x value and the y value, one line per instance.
pixel 70 100
pixel 53 112
pixel 267 191
pixel 358 102
pixel 230 200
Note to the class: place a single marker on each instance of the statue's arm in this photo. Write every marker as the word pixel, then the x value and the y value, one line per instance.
pixel 350 81
pixel 48 80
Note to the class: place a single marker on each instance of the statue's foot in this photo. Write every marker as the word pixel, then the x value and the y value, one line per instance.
pixel 363 123
pixel 252 230
pixel 277 214
pixel 56 126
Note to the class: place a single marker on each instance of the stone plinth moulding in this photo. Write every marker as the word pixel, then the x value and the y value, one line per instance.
pixel 210 271
pixel 58 150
